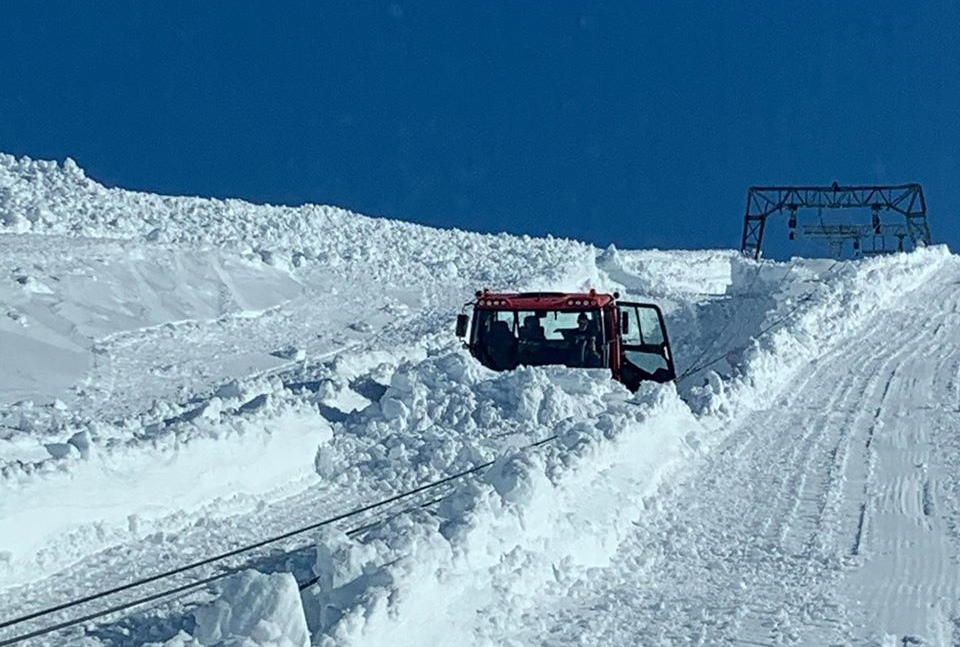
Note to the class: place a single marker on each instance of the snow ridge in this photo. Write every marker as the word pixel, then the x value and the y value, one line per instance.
pixel 42 197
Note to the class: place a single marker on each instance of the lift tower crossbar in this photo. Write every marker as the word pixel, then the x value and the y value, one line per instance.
pixel 764 201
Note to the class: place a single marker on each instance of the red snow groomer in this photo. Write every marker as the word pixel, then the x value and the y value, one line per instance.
pixel 585 330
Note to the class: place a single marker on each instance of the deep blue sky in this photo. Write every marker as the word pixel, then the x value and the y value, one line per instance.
pixel 637 123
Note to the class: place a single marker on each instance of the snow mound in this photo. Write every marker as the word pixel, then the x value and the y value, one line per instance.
pixel 447 413
pixel 655 272
pixel 254 610
pixel 533 517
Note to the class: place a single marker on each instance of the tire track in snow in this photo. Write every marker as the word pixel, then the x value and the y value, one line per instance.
pixel 904 570
pixel 896 349
pixel 893 358
pixel 818 480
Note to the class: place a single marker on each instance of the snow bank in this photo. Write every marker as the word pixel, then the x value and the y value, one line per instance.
pixel 534 518
pixel 101 488
pixel 839 304
pixel 447 413
pixel 254 610
pixel 654 272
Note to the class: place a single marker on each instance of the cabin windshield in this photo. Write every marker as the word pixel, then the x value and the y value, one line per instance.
pixel 505 339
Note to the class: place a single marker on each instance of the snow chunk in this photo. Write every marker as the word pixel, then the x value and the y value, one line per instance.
pixel 182 639
pixel 33 285
pixel 254 609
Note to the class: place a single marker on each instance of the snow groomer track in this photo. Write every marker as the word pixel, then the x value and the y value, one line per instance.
pixel 185 379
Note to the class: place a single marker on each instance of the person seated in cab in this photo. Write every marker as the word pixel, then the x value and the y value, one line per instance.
pixel 499 346
pixel 586 344
pixel 531 329
pixel 531 350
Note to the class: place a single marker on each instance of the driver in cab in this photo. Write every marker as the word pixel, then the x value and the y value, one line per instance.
pixel 586 345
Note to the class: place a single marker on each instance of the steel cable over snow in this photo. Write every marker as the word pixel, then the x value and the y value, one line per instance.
pixel 220 557
pixel 176 592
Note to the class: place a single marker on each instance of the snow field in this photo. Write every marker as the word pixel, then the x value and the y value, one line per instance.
pixel 403 407
pixel 119 317
pixel 99 325
pixel 63 301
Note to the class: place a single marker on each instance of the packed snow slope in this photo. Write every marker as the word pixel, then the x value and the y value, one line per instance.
pixel 181 376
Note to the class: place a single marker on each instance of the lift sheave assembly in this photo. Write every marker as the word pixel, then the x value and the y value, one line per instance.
pixel 898 212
